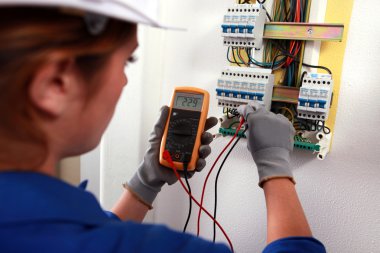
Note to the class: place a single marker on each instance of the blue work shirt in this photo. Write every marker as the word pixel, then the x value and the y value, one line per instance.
pixel 41 214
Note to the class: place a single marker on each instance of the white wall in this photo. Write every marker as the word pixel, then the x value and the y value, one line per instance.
pixel 69 170
pixel 341 195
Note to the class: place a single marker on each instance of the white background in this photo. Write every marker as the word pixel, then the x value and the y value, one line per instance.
pixel 341 195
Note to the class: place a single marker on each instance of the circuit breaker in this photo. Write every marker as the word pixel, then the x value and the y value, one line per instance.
pixel 243 26
pixel 237 86
pixel 315 96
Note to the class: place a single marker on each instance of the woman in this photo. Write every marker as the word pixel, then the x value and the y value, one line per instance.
pixel 61 75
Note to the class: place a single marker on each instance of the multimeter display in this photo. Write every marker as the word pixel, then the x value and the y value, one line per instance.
pixel 188 101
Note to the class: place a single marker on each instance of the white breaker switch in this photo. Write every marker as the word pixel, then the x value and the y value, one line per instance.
pixel 238 86
pixel 315 97
pixel 243 26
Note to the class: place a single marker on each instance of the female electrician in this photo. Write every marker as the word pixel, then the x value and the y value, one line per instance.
pixel 61 74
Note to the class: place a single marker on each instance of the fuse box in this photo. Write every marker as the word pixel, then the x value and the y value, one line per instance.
pixel 268 53
pixel 238 86
pixel 243 26
pixel 315 96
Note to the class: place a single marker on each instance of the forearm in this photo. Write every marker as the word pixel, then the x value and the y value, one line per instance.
pixel 129 207
pixel 285 216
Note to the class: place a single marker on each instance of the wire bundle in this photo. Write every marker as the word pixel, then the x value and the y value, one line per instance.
pixel 287 11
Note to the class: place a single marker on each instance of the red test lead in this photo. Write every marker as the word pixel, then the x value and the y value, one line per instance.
pixel 209 173
pixel 167 157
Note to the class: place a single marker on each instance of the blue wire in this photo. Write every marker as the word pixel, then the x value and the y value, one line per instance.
pixel 265 64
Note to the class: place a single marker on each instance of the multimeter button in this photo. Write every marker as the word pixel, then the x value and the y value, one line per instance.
pixel 182 127
pixel 177 156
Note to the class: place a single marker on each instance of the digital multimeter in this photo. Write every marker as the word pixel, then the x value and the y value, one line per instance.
pixel 185 125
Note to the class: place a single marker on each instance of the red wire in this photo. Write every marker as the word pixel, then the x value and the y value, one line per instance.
pixel 209 173
pixel 293 44
pixel 168 158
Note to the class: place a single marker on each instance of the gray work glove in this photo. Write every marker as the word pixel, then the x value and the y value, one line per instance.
pixel 151 176
pixel 270 138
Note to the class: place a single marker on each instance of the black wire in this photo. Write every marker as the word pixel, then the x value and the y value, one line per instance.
pixel 326 129
pixel 268 16
pixel 216 183
pixel 233 55
pixel 285 53
pixel 248 51
pixel 308 125
pixel 229 111
pixel 316 67
pixel 302 77
pixel 290 14
pixel 228 55
pixel 234 112
pixel 323 127
pixel 190 200
pixel 274 60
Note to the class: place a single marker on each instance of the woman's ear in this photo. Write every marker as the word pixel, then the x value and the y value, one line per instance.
pixel 52 85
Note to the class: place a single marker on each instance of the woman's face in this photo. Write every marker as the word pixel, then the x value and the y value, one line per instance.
pixel 96 111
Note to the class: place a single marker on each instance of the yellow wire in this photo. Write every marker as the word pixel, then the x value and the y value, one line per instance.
pixel 290 112
pixel 239 60
pixel 242 57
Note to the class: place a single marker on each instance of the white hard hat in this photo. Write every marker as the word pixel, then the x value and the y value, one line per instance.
pixel 134 11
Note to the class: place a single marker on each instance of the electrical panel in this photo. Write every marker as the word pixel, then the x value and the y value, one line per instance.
pixel 238 86
pixel 315 96
pixel 243 26
pixel 272 73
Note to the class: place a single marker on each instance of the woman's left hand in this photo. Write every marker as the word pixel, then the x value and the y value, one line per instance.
pixel 151 175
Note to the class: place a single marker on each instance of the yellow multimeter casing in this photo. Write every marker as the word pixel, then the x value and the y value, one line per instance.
pixel 184 127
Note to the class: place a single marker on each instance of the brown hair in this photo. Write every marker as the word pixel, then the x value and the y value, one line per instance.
pixel 27 36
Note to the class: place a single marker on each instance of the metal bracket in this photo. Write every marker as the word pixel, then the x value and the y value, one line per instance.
pixel 303 31
pixel 285 94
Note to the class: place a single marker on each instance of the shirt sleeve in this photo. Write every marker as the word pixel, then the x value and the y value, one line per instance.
pixel 295 245
pixel 145 238
pixel 170 241
pixel 112 216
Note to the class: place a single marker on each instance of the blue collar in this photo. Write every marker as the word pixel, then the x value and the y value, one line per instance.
pixel 31 197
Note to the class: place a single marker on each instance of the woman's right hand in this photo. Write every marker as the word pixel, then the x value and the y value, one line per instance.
pixel 270 138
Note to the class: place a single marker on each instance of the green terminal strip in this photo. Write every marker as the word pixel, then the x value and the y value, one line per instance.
pixel 230 132
pixel 299 142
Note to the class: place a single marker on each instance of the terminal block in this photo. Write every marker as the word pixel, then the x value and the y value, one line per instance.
pixel 243 26
pixel 304 143
pixel 238 86
pixel 321 147
pixel 315 97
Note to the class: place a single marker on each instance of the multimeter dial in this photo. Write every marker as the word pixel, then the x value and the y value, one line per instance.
pixel 182 132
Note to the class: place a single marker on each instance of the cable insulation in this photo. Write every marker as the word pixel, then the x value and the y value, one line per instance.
pixel 216 183
pixel 209 173
pixel 190 200
pixel 167 157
